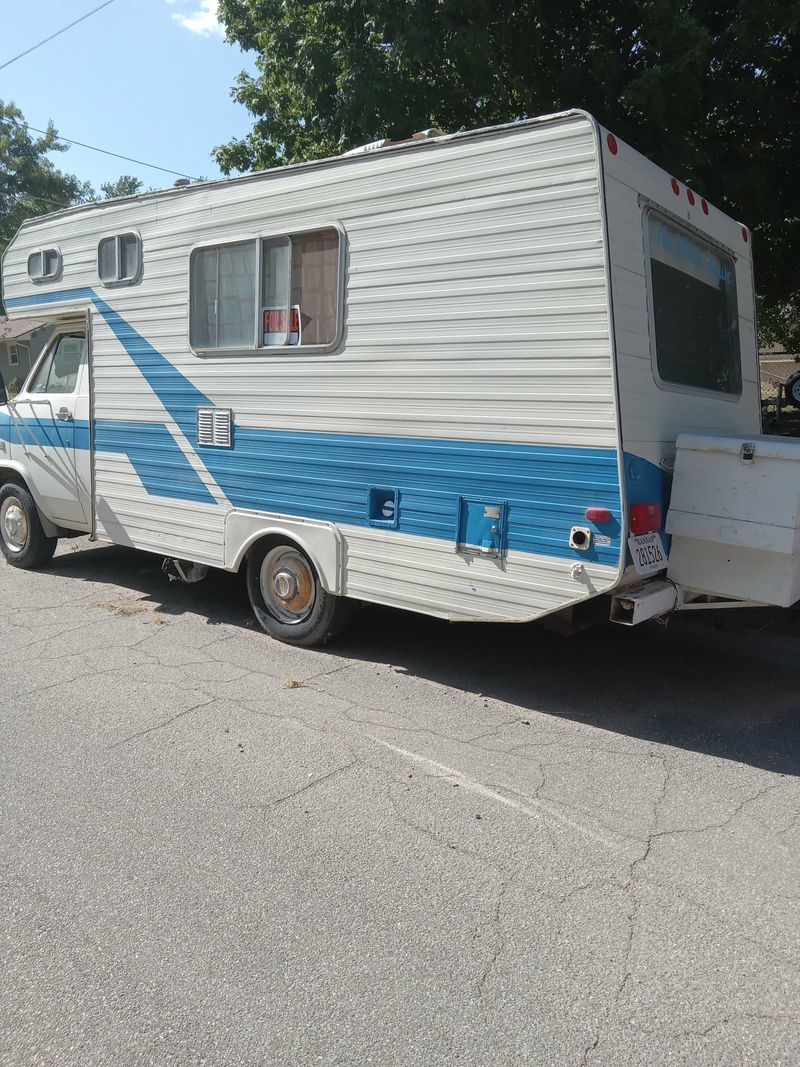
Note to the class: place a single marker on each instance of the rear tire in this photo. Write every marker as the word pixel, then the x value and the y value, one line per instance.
pixel 23 541
pixel 288 599
pixel 792 388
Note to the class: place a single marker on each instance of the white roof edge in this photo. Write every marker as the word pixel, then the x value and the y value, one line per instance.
pixel 352 158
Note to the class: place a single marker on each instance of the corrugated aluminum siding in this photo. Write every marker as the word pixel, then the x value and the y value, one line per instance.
pixel 476 311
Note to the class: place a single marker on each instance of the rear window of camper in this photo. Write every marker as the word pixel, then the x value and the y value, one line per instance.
pixel 696 319
pixel 274 292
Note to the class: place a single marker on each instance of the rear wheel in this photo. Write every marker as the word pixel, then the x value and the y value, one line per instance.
pixel 287 597
pixel 793 390
pixel 23 541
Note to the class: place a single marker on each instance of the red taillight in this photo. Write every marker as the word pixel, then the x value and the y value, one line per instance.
pixel 690 196
pixel 598 514
pixel 676 187
pixel 745 235
pixel 645 518
pixel 704 206
pixel 612 144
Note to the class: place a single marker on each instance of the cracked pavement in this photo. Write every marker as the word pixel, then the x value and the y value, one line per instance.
pixel 427 844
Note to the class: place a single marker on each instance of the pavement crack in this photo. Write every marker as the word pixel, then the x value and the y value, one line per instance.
pixel 631 889
pixel 160 725
pixel 269 804
pixel 740 807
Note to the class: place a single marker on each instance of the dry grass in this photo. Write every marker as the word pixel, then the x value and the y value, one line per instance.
pixel 124 608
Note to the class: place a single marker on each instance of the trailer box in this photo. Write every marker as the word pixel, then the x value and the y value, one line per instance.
pixel 734 517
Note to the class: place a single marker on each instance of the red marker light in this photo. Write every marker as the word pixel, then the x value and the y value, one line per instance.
pixel 704 206
pixel 676 187
pixel 745 235
pixel 690 196
pixel 612 144
pixel 644 518
pixel 598 514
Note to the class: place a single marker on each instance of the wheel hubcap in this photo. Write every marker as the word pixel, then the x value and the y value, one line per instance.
pixel 796 391
pixel 287 585
pixel 13 524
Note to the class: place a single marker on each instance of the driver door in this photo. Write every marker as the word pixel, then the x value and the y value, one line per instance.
pixel 51 417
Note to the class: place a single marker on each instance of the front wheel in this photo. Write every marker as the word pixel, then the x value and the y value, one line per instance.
pixel 23 541
pixel 287 597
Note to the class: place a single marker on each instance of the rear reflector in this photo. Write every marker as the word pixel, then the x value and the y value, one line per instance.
pixel 645 518
pixel 598 514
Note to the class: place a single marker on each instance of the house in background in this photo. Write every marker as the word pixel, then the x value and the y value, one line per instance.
pixel 21 341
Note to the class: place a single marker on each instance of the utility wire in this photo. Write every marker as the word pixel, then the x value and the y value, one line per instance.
pixel 63 29
pixel 30 196
pixel 105 151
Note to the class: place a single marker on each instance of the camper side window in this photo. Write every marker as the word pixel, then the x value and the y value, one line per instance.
pixel 695 314
pixel 119 259
pixel 223 296
pixel 44 265
pixel 272 293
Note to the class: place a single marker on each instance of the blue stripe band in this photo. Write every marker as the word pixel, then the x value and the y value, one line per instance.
pixel 329 476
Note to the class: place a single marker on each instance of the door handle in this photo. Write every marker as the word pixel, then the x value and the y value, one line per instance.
pixel 64 415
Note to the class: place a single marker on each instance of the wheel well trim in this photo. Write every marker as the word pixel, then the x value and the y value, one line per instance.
pixel 321 541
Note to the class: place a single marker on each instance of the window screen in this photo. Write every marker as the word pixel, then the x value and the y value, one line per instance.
pixel 119 259
pixel 696 319
pixel 281 291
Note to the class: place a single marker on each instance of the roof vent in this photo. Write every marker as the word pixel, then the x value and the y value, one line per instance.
pixel 374 146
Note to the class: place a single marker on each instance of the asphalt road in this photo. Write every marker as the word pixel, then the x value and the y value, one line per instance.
pixel 429 844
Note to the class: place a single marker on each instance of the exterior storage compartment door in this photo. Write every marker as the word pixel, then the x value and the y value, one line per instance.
pixel 734 517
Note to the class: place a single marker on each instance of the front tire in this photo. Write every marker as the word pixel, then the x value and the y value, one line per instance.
pixel 23 541
pixel 288 599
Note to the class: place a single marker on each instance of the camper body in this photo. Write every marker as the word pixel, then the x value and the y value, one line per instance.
pixel 447 376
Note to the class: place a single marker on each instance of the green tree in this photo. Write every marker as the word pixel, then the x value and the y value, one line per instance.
pixel 30 184
pixel 125 185
pixel 709 91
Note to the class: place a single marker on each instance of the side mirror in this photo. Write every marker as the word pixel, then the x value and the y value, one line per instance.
pixel 3 392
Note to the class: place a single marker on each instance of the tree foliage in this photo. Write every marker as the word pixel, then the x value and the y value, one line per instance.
pixel 30 184
pixel 711 91
pixel 125 185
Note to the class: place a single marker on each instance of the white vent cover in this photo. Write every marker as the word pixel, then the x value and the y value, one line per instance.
pixel 214 427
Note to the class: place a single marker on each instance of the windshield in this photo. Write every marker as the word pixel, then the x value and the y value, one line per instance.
pixel 696 320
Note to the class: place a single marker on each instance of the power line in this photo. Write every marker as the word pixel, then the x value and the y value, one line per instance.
pixel 105 151
pixel 63 29
pixel 40 199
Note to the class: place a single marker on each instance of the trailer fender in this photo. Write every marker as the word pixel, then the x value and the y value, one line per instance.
pixel 321 541
pixel 11 471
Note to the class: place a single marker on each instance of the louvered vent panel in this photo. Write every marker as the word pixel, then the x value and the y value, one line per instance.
pixel 214 427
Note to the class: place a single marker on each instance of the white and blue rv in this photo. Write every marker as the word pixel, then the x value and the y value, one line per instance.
pixel 483 376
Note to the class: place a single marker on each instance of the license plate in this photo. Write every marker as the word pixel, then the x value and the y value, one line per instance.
pixel 648 553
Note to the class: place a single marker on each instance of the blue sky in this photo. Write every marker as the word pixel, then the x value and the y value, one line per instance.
pixel 147 78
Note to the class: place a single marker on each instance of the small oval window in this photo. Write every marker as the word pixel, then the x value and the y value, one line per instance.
pixel 44 265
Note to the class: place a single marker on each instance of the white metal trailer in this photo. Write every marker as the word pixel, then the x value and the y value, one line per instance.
pixel 447 375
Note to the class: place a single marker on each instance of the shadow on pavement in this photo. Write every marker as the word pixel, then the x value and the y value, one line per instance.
pixel 636 683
